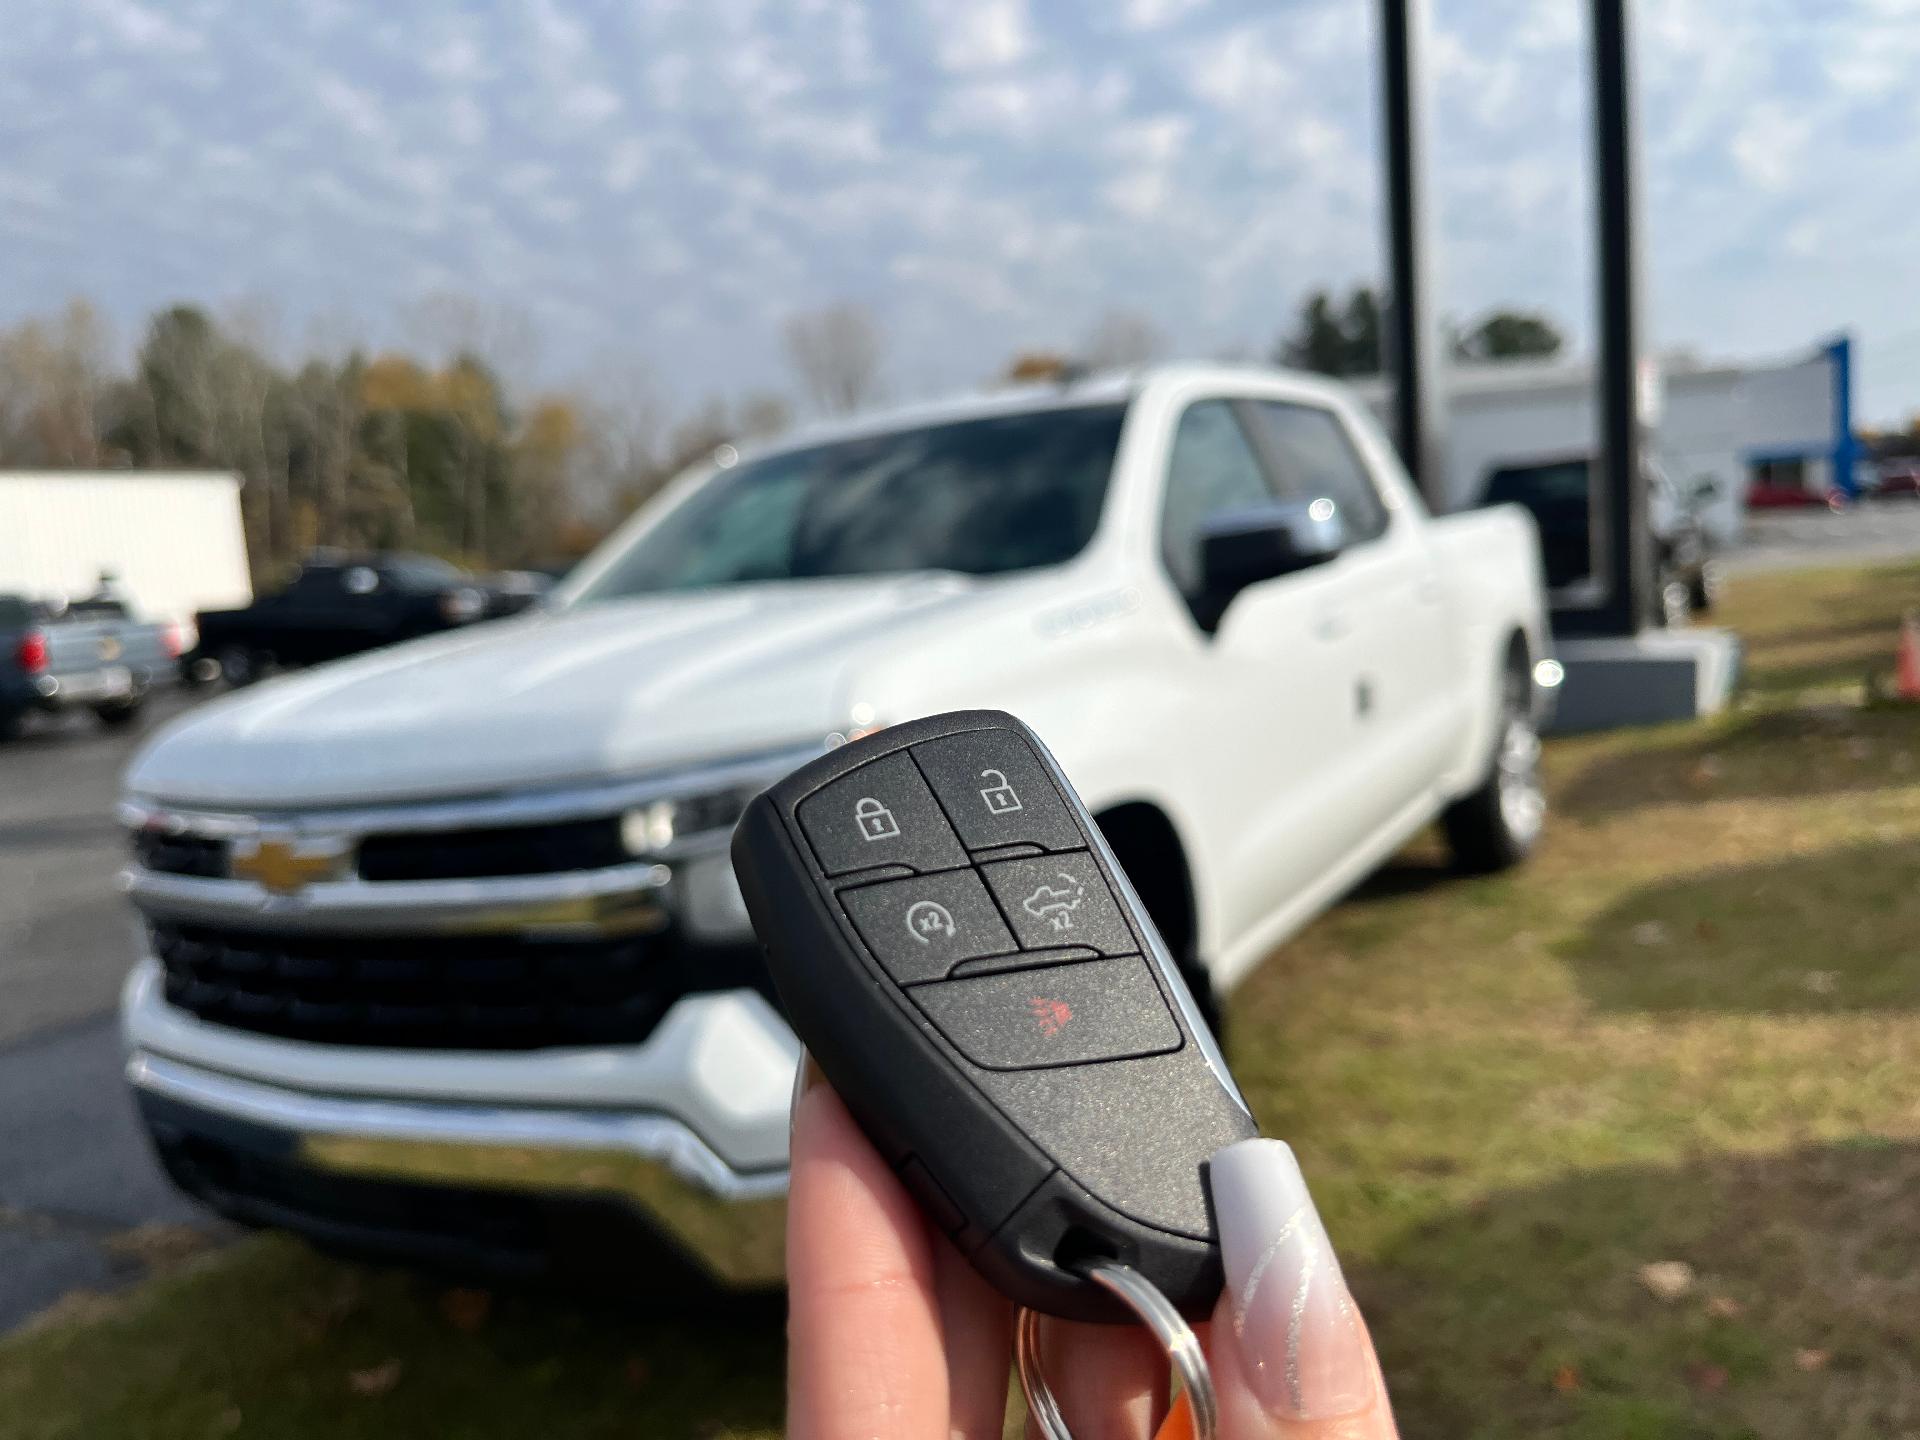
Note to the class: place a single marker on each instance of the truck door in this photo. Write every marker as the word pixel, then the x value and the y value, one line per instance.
pixel 1263 687
pixel 1383 603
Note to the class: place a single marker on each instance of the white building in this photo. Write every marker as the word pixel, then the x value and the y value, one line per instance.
pixel 1785 421
pixel 172 540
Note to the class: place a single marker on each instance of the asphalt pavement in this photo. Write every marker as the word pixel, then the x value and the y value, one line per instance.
pixel 83 1206
pixel 1872 532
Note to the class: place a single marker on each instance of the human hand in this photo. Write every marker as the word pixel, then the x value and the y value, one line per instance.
pixel 893 1336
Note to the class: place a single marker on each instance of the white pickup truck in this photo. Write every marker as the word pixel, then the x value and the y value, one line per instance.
pixel 446 958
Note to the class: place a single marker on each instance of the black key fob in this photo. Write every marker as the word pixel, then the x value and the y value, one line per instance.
pixel 956 946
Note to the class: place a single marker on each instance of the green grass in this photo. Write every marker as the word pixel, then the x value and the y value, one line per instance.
pixel 1686 1032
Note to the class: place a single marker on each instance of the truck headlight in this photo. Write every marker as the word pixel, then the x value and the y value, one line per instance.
pixel 649 829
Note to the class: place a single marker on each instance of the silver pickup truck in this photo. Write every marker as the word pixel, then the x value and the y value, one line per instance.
pixel 89 655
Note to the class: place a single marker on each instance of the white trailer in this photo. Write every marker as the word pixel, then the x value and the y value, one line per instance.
pixel 172 539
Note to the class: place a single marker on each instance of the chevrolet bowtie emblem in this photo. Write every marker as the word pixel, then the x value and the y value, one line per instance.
pixel 286 866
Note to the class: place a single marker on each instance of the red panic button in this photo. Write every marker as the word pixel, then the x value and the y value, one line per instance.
pixel 1054 1015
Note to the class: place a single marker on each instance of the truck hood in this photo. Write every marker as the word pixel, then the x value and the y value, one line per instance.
pixel 619 688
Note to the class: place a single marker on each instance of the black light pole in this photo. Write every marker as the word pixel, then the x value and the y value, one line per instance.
pixel 1622 510
pixel 1413 342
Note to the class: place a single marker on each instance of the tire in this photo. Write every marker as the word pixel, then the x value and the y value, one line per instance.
pixel 238 665
pixel 1704 590
pixel 121 713
pixel 1498 825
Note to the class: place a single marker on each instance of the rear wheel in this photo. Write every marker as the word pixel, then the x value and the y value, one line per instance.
pixel 1498 824
pixel 238 664
pixel 120 713
pixel 1705 589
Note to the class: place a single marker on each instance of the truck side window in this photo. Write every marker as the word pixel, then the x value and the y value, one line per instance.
pixel 1315 458
pixel 1211 468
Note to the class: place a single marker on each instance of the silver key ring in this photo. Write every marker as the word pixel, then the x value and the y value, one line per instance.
pixel 1156 1312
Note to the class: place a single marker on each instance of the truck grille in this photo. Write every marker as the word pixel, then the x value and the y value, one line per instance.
pixel 194 855
pixel 459 992
pixel 485 854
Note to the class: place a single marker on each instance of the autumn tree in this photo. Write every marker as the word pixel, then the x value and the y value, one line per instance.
pixel 54 389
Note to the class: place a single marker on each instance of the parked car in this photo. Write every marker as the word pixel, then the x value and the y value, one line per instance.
pixel 1558 492
pixel 474 893
pixel 337 606
pixel 90 655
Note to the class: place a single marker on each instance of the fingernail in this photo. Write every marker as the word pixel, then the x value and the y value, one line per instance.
pixel 804 1074
pixel 1300 1340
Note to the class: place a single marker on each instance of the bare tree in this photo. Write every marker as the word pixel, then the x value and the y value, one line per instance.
pixel 761 415
pixel 1122 338
pixel 53 387
pixel 619 462
pixel 836 352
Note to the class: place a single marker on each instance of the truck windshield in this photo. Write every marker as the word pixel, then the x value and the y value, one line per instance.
pixel 980 497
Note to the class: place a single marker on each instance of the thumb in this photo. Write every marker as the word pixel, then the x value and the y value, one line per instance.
pixel 1291 1357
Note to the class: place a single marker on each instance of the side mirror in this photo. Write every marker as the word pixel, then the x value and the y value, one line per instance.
pixel 1243 547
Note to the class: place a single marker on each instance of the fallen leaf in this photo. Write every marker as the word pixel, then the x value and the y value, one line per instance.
pixel 466 1310
pixel 1566 1379
pixel 1724 1307
pixel 375 1380
pixel 1706 930
pixel 1811 1360
pixel 1667 1279
pixel 1708 1377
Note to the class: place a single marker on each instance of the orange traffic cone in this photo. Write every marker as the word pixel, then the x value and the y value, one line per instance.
pixel 1906 678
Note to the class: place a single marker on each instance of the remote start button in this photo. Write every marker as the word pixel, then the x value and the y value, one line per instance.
pixel 920 929
pixel 997 792
pixel 1056 900
pixel 1056 1015
pixel 880 814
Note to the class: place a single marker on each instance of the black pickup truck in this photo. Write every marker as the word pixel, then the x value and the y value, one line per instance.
pixel 339 606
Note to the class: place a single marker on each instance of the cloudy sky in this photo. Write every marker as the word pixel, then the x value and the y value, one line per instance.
pixel 668 179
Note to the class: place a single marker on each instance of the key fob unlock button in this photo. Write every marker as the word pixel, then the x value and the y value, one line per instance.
pixel 997 791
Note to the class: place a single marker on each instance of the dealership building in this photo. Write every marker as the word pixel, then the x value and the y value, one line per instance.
pixel 1716 427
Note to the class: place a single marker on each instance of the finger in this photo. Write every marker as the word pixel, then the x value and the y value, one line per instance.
pixel 977 1323
pixel 864 1354
pixel 1110 1380
pixel 1291 1357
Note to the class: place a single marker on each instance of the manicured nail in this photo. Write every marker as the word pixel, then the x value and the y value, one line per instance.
pixel 804 1074
pixel 1300 1340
